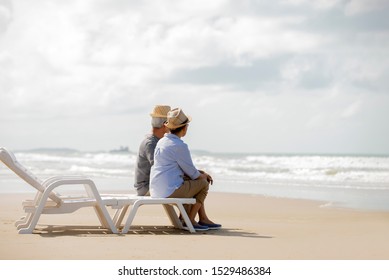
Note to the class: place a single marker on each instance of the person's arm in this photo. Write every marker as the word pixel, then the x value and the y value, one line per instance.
pixel 185 162
pixel 149 151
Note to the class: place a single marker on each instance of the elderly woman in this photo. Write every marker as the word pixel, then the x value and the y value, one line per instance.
pixel 174 174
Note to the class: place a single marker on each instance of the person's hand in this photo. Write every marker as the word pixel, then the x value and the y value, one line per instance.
pixel 206 176
pixel 209 178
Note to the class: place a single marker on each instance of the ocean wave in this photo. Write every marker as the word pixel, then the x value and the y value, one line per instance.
pixel 362 181
pixel 313 169
pixel 309 168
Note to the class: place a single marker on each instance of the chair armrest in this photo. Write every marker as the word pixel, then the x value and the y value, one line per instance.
pixel 50 180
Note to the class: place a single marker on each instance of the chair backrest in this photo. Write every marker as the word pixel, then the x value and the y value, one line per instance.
pixel 9 159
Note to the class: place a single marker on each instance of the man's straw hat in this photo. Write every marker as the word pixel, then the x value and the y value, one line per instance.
pixel 160 111
pixel 177 118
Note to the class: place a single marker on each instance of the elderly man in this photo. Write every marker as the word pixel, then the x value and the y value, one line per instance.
pixel 146 149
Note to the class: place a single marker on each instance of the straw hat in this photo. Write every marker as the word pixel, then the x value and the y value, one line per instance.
pixel 177 118
pixel 160 111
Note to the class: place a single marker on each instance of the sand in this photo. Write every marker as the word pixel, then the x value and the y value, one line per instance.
pixel 254 228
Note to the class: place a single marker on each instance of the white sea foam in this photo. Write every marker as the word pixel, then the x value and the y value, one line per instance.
pixel 322 177
pixel 263 168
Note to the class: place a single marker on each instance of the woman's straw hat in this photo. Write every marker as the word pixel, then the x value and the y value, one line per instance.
pixel 160 111
pixel 177 118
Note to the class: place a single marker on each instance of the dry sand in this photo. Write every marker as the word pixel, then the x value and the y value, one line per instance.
pixel 254 227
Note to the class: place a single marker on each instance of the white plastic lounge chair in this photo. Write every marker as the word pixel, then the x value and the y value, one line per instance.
pixel 49 202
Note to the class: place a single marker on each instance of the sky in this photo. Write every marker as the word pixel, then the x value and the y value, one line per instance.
pixel 283 76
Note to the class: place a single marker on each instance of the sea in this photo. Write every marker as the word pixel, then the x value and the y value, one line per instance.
pixel 350 181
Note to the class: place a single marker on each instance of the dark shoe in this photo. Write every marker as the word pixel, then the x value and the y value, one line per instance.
pixel 211 226
pixel 197 227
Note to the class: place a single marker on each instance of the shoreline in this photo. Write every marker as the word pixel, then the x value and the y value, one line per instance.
pixel 254 227
pixel 358 200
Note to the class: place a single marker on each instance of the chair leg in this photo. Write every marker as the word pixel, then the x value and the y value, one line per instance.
pixel 105 219
pixel 22 220
pixel 186 218
pixel 34 220
pixel 131 216
pixel 169 209
pixel 116 216
pixel 28 230
pixel 25 222
pixel 119 215
pixel 100 209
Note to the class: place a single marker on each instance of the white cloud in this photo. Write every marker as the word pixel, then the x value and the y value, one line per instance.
pixel 264 37
pixel 317 4
pixel 352 109
pixel 97 67
pixel 295 69
pixel 356 7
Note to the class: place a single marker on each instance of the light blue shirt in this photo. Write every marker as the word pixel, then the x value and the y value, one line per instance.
pixel 172 160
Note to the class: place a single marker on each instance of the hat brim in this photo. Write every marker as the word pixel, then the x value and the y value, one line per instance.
pixel 157 116
pixel 180 125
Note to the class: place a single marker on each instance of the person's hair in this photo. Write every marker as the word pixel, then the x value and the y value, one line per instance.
pixel 177 130
pixel 157 122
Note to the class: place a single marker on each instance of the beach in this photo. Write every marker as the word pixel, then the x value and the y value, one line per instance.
pixel 255 227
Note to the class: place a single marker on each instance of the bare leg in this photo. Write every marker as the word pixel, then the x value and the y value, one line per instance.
pixel 203 216
pixel 193 211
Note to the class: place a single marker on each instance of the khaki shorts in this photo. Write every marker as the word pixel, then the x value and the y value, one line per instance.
pixel 197 189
